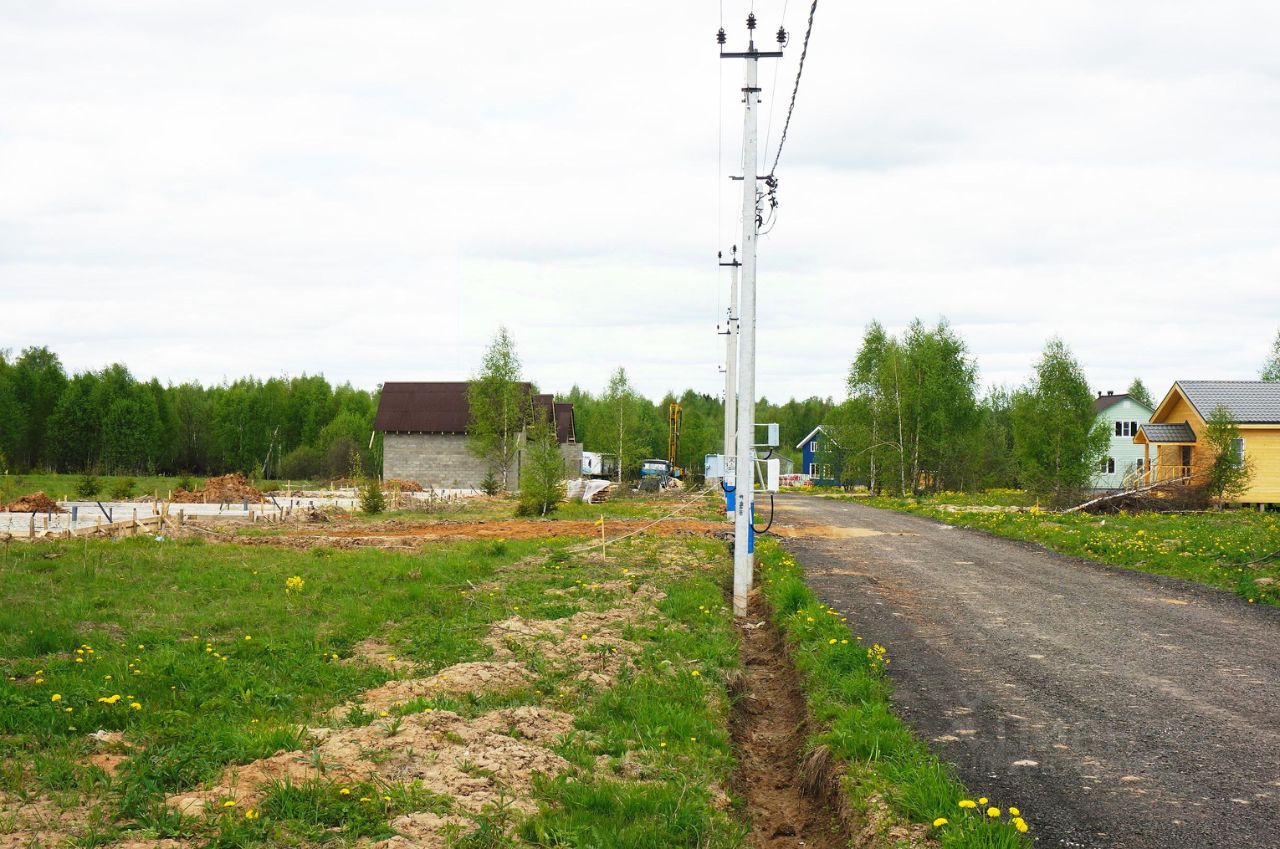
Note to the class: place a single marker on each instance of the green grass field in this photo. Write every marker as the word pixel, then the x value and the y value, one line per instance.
pixel 1210 548
pixel 205 656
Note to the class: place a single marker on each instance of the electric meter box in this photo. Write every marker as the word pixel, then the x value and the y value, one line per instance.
pixel 770 435
pixel 770 474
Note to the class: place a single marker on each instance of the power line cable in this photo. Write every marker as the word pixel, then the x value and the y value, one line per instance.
pixel 804 51
pixel 768 133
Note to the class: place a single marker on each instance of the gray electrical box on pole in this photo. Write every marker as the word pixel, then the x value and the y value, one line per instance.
pixel 744 479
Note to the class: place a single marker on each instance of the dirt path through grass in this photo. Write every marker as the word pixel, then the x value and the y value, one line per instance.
pixel 769 728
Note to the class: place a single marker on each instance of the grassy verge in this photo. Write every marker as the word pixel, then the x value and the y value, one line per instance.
pixel 848 694
pixel 132 670
pixel 1209 548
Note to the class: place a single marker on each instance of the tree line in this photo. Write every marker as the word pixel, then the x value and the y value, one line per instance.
pixel 109 422
pixel 306 428
pixel 915 421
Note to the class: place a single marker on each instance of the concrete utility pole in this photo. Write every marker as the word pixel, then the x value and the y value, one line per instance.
pixel 731 371
pixel 744 473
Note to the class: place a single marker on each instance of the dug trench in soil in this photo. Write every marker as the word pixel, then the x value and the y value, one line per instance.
pixel 785 806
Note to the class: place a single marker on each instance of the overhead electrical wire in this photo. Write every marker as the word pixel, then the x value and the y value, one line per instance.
pixel 804 51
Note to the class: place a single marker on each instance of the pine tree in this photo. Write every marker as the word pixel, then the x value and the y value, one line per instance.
pixel 542 471
pixel 1138 391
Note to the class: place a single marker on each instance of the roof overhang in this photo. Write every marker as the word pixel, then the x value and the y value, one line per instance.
pixel 1165 434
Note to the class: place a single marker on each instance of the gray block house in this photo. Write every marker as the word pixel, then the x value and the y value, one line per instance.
pixel 424 431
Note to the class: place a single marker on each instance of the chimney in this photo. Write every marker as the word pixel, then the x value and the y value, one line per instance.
pixel 1109 392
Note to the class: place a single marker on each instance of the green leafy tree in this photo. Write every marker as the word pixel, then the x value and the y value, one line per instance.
pixel 542 471
pixel 38 382
pixel 13 415
pixel 1138 391
pixel 1271 369
pixel 1230 470
pixel 1057 438
pixel 499 403
pixel 621 415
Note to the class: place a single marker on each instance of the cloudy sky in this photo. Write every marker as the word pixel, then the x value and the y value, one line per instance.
pixel 207 189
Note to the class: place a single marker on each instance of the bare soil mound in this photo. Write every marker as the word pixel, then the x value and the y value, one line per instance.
pixel 35 503
pixel 402 485
pixel 227 488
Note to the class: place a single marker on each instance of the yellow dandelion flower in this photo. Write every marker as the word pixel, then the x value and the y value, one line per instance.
pixel 968 803
pixel 982 801
pixel 993 812
pixel 252 814
pixel 39 680
pixel 68 710
pixel 230 803
pixel 1014 812
pixel 1021 825
pixel 940 822
pixel 56 697
pixel 247 637
pixel 584 636
pixel 344 791
pixel 696 673
pixel 135 705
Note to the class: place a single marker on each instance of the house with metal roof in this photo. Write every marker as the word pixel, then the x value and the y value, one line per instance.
pixel 822 458
pixel 1173 441
pixel 1124 460
pixel 424 433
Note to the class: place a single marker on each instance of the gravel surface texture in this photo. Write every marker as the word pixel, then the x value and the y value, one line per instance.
pixel 1115 708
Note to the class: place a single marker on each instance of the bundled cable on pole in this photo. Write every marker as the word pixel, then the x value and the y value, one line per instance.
pixel 804 51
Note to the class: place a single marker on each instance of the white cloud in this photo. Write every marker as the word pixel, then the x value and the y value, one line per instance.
pixel 206 189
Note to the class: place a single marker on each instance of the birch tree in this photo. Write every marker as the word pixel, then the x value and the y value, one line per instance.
pixel 499 403
pixel 622 419
pixel 1057 437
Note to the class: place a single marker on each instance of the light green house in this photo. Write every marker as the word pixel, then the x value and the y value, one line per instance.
pixel 1123 415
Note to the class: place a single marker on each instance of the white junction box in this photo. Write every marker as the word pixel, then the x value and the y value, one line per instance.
pixel 770 474
pixel 770 435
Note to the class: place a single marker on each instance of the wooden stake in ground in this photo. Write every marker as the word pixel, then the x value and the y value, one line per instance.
pixel 604 550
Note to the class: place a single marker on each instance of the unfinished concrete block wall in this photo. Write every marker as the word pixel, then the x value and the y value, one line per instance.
pixel 438 460
pixel 572 452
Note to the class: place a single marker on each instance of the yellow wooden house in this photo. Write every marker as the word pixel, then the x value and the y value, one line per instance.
pixel 1173 441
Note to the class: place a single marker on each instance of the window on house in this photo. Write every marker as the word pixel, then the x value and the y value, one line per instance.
pixel 1237 450
pixel 1133 428
pixel 1108 466
pixel 1139 464
pixel 813 446
pixel 1119 428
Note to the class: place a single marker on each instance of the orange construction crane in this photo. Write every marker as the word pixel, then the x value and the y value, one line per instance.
pixel 675 418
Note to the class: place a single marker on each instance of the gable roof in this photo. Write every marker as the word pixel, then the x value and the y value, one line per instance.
pixel 1167 433
pixel 819 429
pixel 561 413
pixel 1105 402
pixel 1246 401
pixel 415 407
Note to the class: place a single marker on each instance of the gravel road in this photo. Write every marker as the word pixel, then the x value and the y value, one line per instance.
pixel 1117 709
